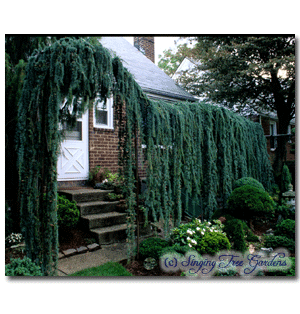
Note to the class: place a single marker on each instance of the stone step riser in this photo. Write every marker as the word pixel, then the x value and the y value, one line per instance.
pixel 110 237
pixel 83 197
pixel 97 209
pixel 102 222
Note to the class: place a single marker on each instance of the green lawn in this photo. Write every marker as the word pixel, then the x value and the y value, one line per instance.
pixel 107 269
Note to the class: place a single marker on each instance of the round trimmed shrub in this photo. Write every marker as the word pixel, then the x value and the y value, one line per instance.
pixel 152 247
pixel 22 267
pixel 247 181
pixel 286 228
pixel 275 242
pixel 248 201
pixel 213 242
pixel 67 212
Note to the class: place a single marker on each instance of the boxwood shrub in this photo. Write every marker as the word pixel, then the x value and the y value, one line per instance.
pixel 213 242
pixel 67 212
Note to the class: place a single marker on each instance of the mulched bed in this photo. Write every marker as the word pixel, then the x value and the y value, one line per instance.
pixel 10 253
pixel 73 239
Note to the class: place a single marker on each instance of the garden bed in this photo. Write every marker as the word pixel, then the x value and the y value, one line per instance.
pixel 71 239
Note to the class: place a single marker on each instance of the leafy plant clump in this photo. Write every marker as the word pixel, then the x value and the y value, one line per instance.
pixel 286 228
pixel 285 211
pixel 22 267
pixel 114 197
pixel 248 201
pixel 67 212
pixel 204 237
pixel 275 242
pixel 13 239
pixel 152 247
pixel 247 181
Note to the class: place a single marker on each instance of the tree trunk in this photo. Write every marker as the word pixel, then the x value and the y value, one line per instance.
pixel 280 154
pixel 284 113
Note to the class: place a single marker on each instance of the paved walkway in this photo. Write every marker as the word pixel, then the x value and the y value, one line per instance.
pixel 114 252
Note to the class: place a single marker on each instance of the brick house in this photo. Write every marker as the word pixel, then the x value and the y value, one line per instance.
pixel 94 140
pixel 269 123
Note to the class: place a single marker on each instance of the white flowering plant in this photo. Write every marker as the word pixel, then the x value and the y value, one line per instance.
pixel 13 239
pixel 195 234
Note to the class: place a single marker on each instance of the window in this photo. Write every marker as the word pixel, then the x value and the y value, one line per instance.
pixel 273 133
pixel 75 133
pixel 103 115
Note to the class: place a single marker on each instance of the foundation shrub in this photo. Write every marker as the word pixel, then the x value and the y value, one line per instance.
pixel 67 212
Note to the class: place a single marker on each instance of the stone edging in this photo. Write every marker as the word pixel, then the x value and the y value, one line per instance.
pixel 80 250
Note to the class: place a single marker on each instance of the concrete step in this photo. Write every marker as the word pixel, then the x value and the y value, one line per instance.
pixel 85 195
pixel 96 207
pixel 102 220
pixel 111 234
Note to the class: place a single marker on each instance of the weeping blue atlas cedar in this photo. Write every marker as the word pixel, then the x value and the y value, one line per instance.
pixel 193 147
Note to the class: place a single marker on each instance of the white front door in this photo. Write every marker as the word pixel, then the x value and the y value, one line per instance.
pixel 73 160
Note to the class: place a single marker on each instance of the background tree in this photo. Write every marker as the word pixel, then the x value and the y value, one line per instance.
pixel 247 73
pixel 171 60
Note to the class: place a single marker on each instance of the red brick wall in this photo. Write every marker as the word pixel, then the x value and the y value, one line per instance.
pixel 103 147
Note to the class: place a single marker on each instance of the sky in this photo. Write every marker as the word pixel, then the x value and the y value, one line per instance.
pixel 161 44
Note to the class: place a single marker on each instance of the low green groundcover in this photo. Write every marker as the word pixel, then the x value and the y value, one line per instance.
pixel 107 269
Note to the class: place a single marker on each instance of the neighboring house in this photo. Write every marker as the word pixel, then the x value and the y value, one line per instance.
pixel 268 121
pixel 94 140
